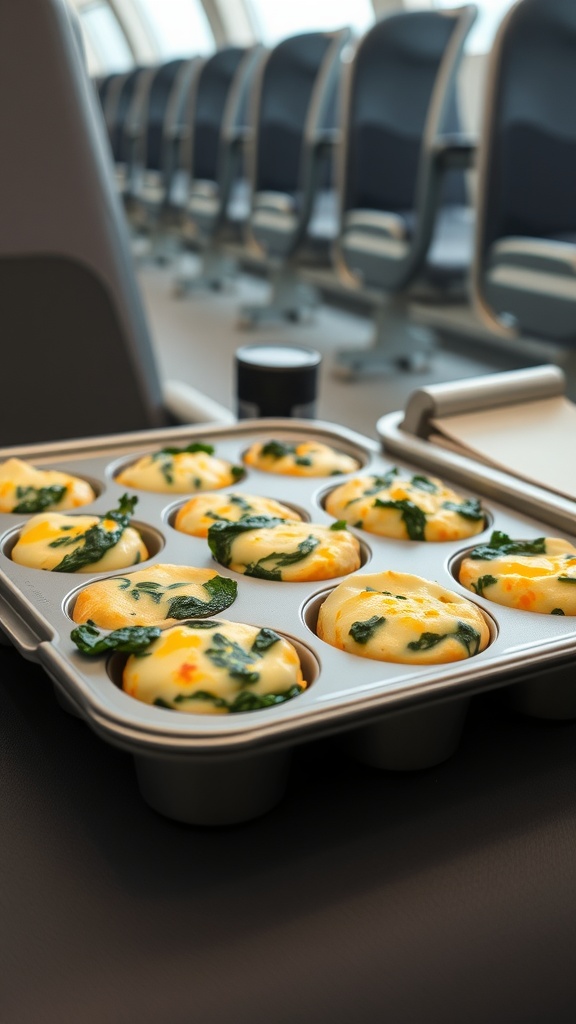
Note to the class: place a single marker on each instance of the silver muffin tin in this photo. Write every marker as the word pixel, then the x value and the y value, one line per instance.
pixel 218 769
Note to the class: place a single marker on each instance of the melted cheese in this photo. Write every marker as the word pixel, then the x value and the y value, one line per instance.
pixel 19 483
pixel 308 458
pixel 356 503
pixel 397 617
pixel 543 583
pixel 182 473
pixel 199 514
pixel 142 598
pixel 34 545
pixel 185 660
pixel 336 553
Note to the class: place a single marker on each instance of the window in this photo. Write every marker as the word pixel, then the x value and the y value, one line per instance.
pixel 180 27
pixel 106 42
pixel 490 14
pixel 275 20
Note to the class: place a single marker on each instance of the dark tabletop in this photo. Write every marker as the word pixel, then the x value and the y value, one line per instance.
pixel 447 895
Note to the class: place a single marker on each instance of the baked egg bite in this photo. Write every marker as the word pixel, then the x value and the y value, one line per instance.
pixel 299 458
pixel 215 667
pixel 200 513
pixel 532 575
pixel 397 617
pixel 62 543
pixel 159 596
pixel 180 471
pixel 23 488
pixel 280 549
pixel 406 507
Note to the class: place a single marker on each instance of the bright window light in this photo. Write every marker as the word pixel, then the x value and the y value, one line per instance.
pixel 276 20
pixel 106 40
pixel 180 27
pixel 490 14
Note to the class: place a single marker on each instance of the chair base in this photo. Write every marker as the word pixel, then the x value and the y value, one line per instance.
pixel 398 345
pixel 291 301
pixel 217 272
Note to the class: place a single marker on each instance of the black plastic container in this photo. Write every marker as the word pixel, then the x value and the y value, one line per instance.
pixel 276 380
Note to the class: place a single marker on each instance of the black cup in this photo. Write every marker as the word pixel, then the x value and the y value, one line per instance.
pixel 276 380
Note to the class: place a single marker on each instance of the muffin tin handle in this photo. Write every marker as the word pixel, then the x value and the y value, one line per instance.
pixel 19 632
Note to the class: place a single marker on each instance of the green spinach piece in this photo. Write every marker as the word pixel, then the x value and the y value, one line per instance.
pixel 362 632
pixel 340 524
pixel 501 544
pixel 97 540
pixel 129 640
pixel 464 634
pixel 278 449
pixel 265 639
pixel 482 582
pixel 222 593
pixel 189 449
pixel 413 516
pixel 379 483
pixel 422 483
pixel 244 701
pixel 470 509
pixel 281 559
pixel 567 579
pixel 557 611
pixel 36 499
pixel 228 654
pixel 222 534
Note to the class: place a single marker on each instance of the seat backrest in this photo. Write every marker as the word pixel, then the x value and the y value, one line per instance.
pixel 527 169
pixel 284 98
pixel 77 358
pixel 400 94
pixel 207 110
pixel 165 81
pixel 124 92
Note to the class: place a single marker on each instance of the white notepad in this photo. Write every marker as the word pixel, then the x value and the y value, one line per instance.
pixel 535 441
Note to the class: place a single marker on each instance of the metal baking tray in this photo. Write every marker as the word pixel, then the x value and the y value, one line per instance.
pixel 222 769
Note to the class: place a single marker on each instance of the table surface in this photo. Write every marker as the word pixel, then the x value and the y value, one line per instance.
pixel 447 895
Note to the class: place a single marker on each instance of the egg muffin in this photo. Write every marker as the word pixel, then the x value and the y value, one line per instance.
pixel 23 488
pixel 180 471
pixel 397 617
pixel 215 667
pixel 406 507
pixel 200 513
pixel 299 458
pixel 280 549
pixel 81 543
pixel 533 575
pixel 159 596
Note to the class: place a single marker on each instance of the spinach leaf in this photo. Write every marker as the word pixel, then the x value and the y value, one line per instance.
pixel 340 524
pixel 414 518
pixel 567 579
pixel 36 499
pixel 362 632
pixel 424 484
pixel 129 640
pixel 244 701
pixel 482 582
pixel 97 540
pixel 228 654
pixel 278 449
pixel 190 449
pixel 302 460
pixel 221 535
pixel 379 483
pixel 501 544
pixel 557 611
pixel 238 499
pixel 464 634
pixel 265 639
pixel 470 509
pixel 281 559
pixel 222 593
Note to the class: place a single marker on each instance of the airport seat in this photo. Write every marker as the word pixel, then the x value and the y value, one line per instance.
pixel 406 226
pixel 293 208
pixel 151 167
pixel 217 203
pixel 125 97
pixel 77 357
pixel 525 259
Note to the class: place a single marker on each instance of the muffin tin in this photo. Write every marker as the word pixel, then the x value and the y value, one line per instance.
pixel 216 769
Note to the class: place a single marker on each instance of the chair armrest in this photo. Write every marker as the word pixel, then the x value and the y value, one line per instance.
pixel 188 405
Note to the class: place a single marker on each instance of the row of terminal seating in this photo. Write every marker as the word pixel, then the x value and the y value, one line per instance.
pixel 343 154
